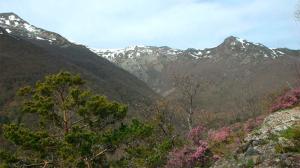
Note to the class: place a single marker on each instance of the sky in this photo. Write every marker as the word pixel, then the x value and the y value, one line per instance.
pixel 176 23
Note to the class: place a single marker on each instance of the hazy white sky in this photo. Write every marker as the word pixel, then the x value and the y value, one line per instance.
pixel 174 23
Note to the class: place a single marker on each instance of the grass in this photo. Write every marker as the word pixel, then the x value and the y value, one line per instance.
pixel 250 164
pixel 292 134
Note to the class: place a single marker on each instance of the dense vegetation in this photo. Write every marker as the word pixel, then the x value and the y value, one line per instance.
pixel 287 100
pixel 292 134
pixel 64 124
pixel 72 127
pixel 24 62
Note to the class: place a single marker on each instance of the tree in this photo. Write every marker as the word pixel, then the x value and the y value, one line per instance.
pixel 74 128
pixel 188 87
pixel 152 151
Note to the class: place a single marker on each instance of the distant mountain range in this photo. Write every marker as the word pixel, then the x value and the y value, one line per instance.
pixel 242 75
pixel 147 61
pixel 28 53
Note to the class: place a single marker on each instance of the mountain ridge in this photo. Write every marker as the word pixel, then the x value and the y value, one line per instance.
pixel 13 24
pixel 135 59
pixel 33 58
pixel 232 41
pixel 243 75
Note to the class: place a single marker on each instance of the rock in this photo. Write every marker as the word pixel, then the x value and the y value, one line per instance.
pixel 290 160
pixel 251 151
pixel 287 162
pixel 259 146
pixel 256 143
pixel 243 148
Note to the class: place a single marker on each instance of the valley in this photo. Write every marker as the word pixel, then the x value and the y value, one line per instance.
pixel 66 104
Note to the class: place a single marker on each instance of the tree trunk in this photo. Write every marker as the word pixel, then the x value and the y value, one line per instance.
pixel 66 123
pixel 87 163
pixel 190 114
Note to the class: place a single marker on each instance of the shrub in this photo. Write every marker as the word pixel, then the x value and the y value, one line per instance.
pixel 250 164
pixel 197 133
pixel 288 100
pixel 188 156
pixel 293 134
pixel 200 152
pixel 220 135
pixel 251 124
pixel 180 158
pixel 196 154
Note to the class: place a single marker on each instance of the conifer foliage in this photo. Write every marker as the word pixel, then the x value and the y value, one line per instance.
pixel 74 128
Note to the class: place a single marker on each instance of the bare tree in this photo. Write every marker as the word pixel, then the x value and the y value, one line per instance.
pixel 188 86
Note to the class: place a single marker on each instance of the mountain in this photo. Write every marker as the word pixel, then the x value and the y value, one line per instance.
pixel 241 74
pixel 16 26
pixel 28 53
pixel 146 62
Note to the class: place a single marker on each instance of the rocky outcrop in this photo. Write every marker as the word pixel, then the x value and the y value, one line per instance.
pixel 260 148
pixel 13 24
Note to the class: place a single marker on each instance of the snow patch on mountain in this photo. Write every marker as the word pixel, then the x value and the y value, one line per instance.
pixel 30 28
pixel 136 52
pixel 7 30
pixel 13 24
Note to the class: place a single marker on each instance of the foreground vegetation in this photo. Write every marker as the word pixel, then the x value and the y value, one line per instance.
pixel 72 127
pixel 63 124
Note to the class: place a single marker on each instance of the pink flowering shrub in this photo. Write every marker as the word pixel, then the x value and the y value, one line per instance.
pixel 288 100
pixel 180 158
pixel 220 135
pixel 197 133
pixel 216 157
pixel 189 157
pixel 196 154
pixel 251 124
pixel 200 151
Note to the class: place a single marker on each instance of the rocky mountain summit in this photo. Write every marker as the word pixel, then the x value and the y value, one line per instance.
pixel 230 44
pixel 13 24
pixel 242 74
pixel 148 63
pixel 264 147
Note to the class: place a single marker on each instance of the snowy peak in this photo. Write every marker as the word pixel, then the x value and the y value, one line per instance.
pixel 135 52
pixel 232 46
pixel 15 25
pixel 157 65
pixel 232 41
pixel 237 46
pixel 11 20
pixel 151 52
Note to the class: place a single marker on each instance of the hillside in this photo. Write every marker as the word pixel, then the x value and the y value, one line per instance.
pixel 242 75
pixel 28 53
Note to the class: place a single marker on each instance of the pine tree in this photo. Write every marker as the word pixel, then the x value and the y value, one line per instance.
pixel 74 128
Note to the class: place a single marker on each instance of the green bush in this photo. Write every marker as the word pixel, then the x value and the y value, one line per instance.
pixel 293 134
